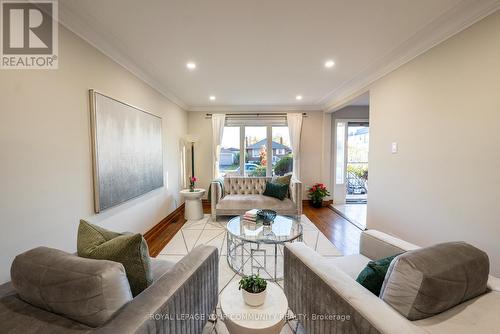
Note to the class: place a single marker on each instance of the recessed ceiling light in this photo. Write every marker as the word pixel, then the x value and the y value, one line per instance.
pixel 212 98
pixel 298 97
pixel 329 63
pixel 191 66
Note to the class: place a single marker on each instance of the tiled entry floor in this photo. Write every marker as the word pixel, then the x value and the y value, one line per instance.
pixel 208 232
pixel 355 213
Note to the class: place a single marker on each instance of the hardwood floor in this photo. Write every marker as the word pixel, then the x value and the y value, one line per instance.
pixel 343 234
pixel 159 236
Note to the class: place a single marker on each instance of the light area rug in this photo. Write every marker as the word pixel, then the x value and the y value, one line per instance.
pixel 209 232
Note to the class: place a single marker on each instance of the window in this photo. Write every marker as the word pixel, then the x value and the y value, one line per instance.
pixel 229 162
pixel 340 158
pixel 255 149
pixel 282 161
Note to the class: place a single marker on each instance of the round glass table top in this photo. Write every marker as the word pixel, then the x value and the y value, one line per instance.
pixel 283 229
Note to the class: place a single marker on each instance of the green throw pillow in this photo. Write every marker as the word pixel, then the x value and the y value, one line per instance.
pixel 131 250
pixel 276 190
pixel 372 276
pixel 285 179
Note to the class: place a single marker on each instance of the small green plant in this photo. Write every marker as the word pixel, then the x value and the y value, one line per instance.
pixel 253 284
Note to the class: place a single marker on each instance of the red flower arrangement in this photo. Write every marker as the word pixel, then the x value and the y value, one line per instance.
pixel 192 181
pixel 316 193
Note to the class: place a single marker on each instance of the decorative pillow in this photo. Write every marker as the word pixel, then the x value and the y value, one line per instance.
pixel 276 190
pixel 427 281
pixel 372 276
pixel 131 250
pixel 85 290
pixel 285 179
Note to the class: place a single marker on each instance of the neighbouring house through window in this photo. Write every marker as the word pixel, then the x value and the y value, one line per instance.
pixel 255 150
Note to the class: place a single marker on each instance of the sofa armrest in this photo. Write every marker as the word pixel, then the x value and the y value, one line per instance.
pixel 316 288
pixel 296 194
pixel 216 195
pixel 180 301
pixel 493 283
pixel 377 245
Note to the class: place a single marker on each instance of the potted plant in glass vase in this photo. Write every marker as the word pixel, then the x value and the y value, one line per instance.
pixel 253 290
pixel 192 181
pixel 316 194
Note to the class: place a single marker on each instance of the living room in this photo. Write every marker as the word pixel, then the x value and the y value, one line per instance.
pixel 173 149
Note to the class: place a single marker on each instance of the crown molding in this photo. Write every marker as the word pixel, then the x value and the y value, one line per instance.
pixel 445 26
pixel 86 28
pixel 255 108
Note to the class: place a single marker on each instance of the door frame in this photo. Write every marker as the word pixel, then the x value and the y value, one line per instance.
pixel 339 189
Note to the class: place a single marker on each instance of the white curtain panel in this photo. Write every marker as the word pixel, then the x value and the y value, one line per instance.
pixel 218 121
pixel 294 121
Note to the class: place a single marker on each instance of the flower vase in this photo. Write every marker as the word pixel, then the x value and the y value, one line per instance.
pixel 317 203
pixel 254 299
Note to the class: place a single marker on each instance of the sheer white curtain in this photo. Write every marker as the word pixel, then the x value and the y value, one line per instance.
pixel 218 121
pixel 294 121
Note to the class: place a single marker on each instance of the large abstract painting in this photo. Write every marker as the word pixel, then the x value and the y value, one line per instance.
pixel 127 151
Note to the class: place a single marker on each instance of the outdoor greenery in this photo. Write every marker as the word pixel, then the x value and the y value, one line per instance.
pixel 259 171
pixel 284 165
pixel 359 171
pixel 253 284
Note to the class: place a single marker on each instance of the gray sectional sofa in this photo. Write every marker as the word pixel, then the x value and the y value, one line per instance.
pixel 180 300
pixel 241 194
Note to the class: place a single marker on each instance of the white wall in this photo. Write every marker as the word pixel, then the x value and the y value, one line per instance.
pixel 45 151
pixel 352 112
pixel 312 145
pixel 443 109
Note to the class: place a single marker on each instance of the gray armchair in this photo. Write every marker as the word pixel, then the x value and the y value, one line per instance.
pixel 180 300
pixel 325 296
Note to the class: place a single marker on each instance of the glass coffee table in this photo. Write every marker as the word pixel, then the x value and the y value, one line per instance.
pixel 254 248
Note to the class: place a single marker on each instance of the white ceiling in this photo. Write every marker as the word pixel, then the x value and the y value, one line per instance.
pixel 260 54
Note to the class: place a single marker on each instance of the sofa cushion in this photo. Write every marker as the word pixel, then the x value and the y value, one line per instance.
pixel 350 264
pixel 372 276
pixel 285 179
pixel 245 185
pixel 160 267
pixel 478 315
pixel 85 290
pixel 427 281
pixel 131 250
pixel 276 190
pixel 247 202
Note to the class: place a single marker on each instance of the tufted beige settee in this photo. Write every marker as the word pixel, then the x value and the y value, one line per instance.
pixel 244 193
